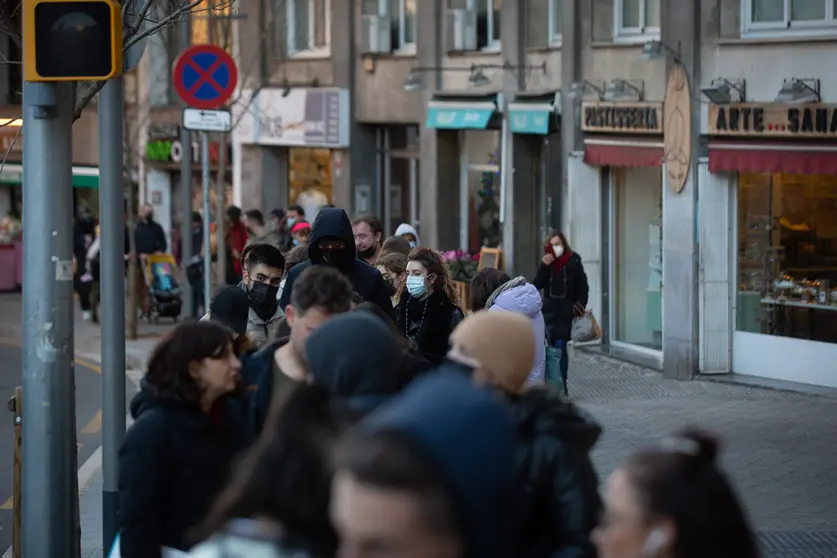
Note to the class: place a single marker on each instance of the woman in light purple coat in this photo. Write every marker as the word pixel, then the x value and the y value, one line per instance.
pixel 519 296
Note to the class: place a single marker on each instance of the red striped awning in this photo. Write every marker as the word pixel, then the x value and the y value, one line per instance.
pixel 625 155
pixel 768 159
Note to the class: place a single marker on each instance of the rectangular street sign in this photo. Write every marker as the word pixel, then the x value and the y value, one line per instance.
pixel 202 120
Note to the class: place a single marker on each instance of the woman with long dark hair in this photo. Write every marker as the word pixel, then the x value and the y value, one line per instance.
pixel 177 455
pixel 277 504
pixel 563 282
pixel 429 309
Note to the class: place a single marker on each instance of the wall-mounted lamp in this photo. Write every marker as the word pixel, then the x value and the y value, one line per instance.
pixel 658 50
pixel 721 90
pixel 584 88
pixel 477 78
pixel 413 82
pixel 621 90
pixel 799 90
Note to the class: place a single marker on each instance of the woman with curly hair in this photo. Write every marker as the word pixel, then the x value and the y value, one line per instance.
pixel 428 310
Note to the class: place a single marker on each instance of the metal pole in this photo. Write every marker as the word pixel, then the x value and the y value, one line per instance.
pixel 185 39
pixel 50 481
pixel 220 211
pixel 112 281
pixel 207 235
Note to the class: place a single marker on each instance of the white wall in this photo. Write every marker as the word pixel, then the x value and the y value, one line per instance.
pixel 158 187
pixel 584 223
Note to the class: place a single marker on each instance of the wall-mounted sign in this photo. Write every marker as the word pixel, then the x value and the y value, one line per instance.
pixel 773 119
pixel 171 151
pixel 677 156
pixel 622 117
pixel 317 117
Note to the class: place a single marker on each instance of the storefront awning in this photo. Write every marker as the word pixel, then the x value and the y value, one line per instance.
pixel 603 153
pixel 797 159
pixel 461 113
pixel 83 177
pixel 535 115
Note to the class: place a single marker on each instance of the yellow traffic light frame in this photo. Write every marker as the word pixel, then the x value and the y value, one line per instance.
pixel 30 70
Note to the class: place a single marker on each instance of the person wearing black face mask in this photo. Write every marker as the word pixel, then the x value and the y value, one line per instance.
pixel 332 243
pixel 263 266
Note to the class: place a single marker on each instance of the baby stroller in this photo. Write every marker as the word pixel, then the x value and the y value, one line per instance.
pixel 165 298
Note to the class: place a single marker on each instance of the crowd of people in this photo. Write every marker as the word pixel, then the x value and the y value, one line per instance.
pixel 336 401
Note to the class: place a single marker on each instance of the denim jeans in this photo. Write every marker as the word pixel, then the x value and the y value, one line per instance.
pixel 564 363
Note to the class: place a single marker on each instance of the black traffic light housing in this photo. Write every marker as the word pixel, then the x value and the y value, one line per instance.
pixel 71 40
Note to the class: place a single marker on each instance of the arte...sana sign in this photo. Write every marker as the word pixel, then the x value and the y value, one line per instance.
pixel 773 119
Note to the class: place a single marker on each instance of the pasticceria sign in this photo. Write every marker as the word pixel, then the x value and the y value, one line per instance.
pixel 622 117
pixel 773 119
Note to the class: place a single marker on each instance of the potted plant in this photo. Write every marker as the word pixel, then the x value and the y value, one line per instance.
pixel 462 267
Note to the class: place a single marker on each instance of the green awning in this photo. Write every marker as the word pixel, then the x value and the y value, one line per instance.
pixel 535 114
pixel 461 112
pixel 83 177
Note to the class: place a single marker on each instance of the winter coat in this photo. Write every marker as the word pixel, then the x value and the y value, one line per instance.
pixel 366 280
pixel 246 537
pixel 260 332
pixel 558 502
pixel 269 236
pixel 172 464
pixel 561 291
pixel 522 297
pixel 149 237
pixel 429 322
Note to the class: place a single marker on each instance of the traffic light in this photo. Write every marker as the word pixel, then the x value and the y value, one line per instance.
pixel 71 40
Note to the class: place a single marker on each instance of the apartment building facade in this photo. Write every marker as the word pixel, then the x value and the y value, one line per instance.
pixel 488 122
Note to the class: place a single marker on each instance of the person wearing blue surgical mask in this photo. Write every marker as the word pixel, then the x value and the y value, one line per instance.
pixel 428 310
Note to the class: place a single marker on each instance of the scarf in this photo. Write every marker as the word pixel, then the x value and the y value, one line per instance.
pixel 559 263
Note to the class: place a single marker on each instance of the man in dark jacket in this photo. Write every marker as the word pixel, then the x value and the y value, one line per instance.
pixel 332 243
pixel 149 236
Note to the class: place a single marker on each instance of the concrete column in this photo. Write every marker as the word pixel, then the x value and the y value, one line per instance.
pixel 571 71
pixel 528 173
pixel 681 29
pixel 274 182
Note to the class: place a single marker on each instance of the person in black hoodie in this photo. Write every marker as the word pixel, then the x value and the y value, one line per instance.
pixel 177 455
pixel 428 310
pixel 430 474
pixel 84 233
pixel 563 282
pixel 332 243
pixel 558 504
pixel 356 358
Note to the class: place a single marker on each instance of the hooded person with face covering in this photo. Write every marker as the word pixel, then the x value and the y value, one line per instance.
pixel 332 243
pixel 356 358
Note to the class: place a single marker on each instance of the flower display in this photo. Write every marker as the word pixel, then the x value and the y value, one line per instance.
pixel 9 230
pixel 461 264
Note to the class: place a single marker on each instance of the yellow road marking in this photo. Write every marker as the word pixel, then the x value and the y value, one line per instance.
pixel 95 424
pixel 8 504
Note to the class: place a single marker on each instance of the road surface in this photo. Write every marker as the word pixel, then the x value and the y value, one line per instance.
pixel 88 421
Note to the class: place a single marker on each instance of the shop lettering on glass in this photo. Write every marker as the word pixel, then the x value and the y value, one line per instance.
pixel 171 151
pixel 773 119
pixel 642 118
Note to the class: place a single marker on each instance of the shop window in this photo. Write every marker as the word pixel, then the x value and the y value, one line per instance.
pixel 482 152
pixel 787 256
pixel 306 26
pixel 544 21
pixel 762 18
pixel 636 20
pixel 310 182
pixel 402 21
pixel 488 20
pixel 637 279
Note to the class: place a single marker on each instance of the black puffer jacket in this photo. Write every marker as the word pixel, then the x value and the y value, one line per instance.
pixel 558 501
pixel 429 322
pixel 561 291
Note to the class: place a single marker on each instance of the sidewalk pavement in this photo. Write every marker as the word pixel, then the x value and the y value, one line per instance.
pixel 778 447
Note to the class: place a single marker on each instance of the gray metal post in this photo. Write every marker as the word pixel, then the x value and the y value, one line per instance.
pixel 50 480
pixel 207 235
pixel 112 249
pixel 185 39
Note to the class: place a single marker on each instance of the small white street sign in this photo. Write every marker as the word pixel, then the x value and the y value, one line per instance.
pixel 200 120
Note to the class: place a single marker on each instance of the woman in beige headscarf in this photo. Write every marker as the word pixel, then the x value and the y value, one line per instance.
pixel 558 505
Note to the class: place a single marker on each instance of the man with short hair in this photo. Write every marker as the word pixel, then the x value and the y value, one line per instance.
pixel 295 214
pixel 264 267
pixel 320 293
pixel 369 234
pixel 430 474
pixel 332 244
pixel 258 232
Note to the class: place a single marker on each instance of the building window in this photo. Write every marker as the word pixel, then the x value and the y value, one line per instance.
pixel 636 20
pixel 402 20
pixel 308 26
pixel 787 248
pixel 544 23
pixel 802 17
pixel 488 20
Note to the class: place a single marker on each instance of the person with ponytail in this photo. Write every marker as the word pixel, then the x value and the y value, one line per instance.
pixel 277 503
pixel 672 500
pixel 563 282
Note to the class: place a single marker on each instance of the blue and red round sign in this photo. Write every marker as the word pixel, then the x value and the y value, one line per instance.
pixel 205 76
